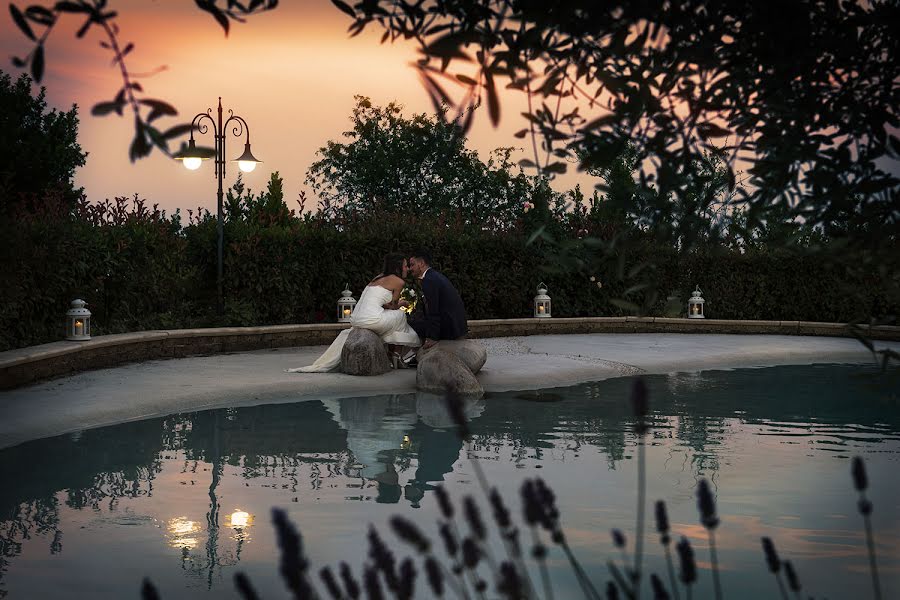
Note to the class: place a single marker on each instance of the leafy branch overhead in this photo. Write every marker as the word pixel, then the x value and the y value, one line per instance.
pixel 806 101
pixel 36 22
pixel 801 110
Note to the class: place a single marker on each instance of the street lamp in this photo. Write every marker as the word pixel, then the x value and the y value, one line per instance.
pixel 192 157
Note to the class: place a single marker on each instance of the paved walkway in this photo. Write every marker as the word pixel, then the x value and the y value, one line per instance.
pixel 162 387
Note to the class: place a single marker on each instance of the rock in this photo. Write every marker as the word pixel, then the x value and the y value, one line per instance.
pixel 471 352
pixel 440 371
pixel 432 409
pixel 364 354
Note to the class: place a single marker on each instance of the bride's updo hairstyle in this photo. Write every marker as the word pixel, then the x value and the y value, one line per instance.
pixel 393 265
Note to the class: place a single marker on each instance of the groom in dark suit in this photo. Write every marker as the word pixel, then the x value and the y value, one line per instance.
pixel 444 313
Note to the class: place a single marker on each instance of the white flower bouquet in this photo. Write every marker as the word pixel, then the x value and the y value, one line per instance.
pixel 409 294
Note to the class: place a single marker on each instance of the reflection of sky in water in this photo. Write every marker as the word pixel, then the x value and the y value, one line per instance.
pixel 177 499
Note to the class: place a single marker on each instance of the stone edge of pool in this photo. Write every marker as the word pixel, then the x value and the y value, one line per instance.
pixel 36 363
pixel 156 388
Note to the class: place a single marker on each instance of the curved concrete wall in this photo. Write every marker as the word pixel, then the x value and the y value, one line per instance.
pixel 26 365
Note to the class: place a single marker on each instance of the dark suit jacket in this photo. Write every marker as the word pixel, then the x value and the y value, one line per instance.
pixel 444 313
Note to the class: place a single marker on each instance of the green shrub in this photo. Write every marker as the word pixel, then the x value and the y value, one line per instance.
pixel 140 269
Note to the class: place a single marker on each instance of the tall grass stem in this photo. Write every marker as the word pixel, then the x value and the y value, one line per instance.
pixel 873 565
pixel 639 528
pixel 717 585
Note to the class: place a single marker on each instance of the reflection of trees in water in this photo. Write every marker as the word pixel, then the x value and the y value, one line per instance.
pixel 381 438
pixel 92 467
pixel 530 424
pixel 25 520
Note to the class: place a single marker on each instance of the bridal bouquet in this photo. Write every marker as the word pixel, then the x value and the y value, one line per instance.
pixel 409 294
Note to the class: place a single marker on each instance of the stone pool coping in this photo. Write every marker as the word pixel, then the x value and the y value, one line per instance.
pixel 27 365
pixel 157 388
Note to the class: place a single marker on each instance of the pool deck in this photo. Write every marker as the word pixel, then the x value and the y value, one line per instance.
pixel 162 387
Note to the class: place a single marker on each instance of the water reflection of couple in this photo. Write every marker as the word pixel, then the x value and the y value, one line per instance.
pixel 381 309
pixel 379 427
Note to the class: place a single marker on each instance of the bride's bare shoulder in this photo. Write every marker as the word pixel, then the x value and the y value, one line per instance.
pixel 393 282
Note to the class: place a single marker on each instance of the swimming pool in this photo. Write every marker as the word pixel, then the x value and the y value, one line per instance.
pixel 185 500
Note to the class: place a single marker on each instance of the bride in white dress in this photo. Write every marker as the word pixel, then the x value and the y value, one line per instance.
pixel 378 309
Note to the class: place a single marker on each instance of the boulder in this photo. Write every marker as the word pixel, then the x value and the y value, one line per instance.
pixel 364 354
pixel 471 352
pixel 432 409
pixel 440 371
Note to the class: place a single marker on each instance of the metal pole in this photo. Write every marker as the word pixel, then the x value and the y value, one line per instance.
pixel 220 173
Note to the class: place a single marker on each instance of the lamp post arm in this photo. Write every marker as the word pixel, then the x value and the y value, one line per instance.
pixel 197 123
pixel 239 127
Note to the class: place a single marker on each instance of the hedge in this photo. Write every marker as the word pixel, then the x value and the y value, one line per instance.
pixel 139 270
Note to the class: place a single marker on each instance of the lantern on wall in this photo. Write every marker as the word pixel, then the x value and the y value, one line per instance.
pixel 78 322
pixel 345 305
pixel 695 305
pixel 542 302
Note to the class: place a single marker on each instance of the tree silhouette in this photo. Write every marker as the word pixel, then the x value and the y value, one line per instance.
pixel 39 151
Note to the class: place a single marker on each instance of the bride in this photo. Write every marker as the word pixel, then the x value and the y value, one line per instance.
pixel 378 309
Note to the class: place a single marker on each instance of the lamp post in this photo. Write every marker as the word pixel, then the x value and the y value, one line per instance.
pixel 192 157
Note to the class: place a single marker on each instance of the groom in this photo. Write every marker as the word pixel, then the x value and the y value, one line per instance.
pixel 444 314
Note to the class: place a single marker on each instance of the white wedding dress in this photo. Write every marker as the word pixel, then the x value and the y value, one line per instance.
pixel 369 314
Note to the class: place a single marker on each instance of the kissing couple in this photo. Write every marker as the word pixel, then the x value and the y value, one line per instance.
pixel 380 309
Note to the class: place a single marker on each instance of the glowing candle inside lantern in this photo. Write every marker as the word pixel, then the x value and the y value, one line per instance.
pixel 79 327
pixel 540 308
pixel 346 312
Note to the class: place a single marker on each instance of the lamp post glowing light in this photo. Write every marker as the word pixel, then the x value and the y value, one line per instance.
pixel 246 161
pixel 192 158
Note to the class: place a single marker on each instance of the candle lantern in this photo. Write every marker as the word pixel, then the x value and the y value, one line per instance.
pixel 695 305
pixel 78 322
pixel 345 305
pixel 542 302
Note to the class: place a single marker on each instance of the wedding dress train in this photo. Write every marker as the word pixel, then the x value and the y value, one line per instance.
pixel 369 313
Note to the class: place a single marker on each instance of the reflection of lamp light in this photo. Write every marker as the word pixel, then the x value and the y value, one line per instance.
pixel 180 530
pixel 406 443
pixel 240 519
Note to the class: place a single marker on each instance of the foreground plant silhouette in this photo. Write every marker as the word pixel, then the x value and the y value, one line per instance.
pixel 465 542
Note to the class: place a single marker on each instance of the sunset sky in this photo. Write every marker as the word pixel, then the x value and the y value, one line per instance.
pixel 291 73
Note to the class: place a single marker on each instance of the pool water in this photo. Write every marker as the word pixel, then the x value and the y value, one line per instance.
pixel 185 500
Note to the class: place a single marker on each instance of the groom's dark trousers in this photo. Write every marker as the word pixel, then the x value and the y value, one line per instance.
pixel 444 314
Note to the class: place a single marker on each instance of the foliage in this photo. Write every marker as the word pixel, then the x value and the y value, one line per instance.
pixel 668 78
pixel 140 269
pixel 39 151
pixel 126 260
pixel 268 208
pixel 391 164
pixel 37 22
pixel 805 103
